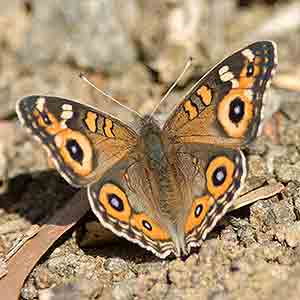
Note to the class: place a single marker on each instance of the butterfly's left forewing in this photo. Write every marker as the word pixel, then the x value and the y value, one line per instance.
pixel 82 141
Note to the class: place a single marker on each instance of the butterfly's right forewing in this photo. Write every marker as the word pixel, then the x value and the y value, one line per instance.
pixel 82 141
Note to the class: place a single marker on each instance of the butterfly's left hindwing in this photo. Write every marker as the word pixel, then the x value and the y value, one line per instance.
pixel 125 201
pixel 82 141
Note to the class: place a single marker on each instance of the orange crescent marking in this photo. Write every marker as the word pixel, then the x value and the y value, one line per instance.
pixel 107 128
pixel 91 121
pixel 220 161
pixel 205 94
pixel 191 109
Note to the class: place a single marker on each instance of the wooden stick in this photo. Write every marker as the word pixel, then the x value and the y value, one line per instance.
pixel 290 82
pixel 257 194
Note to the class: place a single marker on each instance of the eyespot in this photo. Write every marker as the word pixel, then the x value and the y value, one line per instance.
pixel 149 227
pixel 76 151
pixel 235 112
pixel 115 202
pixel 248 75
pixel 198 211
pixel 219 175
pixel 250 69
pixel 47 121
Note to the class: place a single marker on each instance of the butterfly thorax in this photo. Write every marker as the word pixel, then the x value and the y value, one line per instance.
pixel 152 142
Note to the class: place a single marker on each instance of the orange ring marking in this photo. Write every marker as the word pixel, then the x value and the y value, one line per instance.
pixel 247 82
pixel 220 161
pixel 156 232
pixel 236 130
pixel 108 189
pixel 61 139
pixel 193 220
pixel 52 129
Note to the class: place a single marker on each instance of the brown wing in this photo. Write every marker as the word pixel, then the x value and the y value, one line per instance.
pixel 222 112
pixel 82 141
pixel 225 106
pixel 126 201
pixel 212 177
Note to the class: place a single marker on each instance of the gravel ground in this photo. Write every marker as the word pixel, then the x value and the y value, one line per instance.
pixel 255 253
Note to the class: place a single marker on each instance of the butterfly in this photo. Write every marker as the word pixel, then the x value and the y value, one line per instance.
pixel 162 185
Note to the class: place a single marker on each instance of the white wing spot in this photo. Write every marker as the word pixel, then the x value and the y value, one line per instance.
pixel 223 70
pixel 227 76
pixel 40 103
pixel 67 107
pixel 66 114
pixel 58 141
pixel 261 82
pixel 63 124
pixel 249 54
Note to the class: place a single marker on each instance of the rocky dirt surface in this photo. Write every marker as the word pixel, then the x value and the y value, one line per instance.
pixel 134 50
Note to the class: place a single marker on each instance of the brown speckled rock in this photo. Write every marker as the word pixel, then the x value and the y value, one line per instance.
pixel 82 289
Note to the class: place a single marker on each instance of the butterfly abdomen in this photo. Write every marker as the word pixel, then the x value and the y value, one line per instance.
pixel 157 153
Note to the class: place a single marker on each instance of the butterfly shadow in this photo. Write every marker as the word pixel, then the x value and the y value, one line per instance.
pixel 35 196
pixel 39 197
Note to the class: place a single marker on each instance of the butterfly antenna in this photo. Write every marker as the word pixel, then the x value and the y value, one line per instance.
pixel 187 65
pixel 84 78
